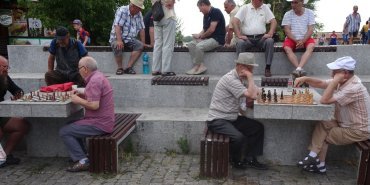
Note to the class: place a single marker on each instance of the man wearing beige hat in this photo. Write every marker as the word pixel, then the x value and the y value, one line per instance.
pixel 246 134
pixel 128 22
pixel 351 118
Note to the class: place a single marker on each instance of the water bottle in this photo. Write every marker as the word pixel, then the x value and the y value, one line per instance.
pixel 290 84
pixel 145 63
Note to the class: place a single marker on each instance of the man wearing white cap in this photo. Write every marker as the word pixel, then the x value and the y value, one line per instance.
pixel 298 27
pixel 352 110
pixel 223 117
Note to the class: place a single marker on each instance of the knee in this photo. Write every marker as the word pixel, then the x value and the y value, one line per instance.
pixel 239 138
pixel 269 42
pixel 63 131
pixel 288 50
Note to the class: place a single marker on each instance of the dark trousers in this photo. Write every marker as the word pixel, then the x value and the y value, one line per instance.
pixel 246 135
pixel 56 77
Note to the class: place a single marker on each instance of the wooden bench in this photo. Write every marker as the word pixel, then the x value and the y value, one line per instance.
pixel 363 176
pixel 103 149
pixel 214 155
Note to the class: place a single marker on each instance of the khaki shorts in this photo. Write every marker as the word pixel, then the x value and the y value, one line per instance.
pixel 3 121
pixel 134 44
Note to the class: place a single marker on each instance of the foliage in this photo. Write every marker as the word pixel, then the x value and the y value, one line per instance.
pixel 184 145
pixel 179 36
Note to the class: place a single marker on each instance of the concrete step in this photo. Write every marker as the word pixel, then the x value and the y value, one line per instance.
pixel 32 59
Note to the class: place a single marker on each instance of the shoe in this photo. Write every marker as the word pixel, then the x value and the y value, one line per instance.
pixel 308 162
pixel 239 165
pixel 314 169
pixel 296 73
pixel 202 69
pixel 11 160
pixel 156 73
pixel 119 71
pixel 303 73
pixel 255 164
pixel 268 73
pixel 129 70
pixel 78 167
pixel 168 74
pixel 191 71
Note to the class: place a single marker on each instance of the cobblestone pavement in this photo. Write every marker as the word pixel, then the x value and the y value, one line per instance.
pixel 158 169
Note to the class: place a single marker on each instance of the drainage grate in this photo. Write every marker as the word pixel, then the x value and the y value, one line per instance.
pixel 181 80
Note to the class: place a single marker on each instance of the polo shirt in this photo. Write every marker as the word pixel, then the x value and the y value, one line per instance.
pixel 253 20
pixel 215 15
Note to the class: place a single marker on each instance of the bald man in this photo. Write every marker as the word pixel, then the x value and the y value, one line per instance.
pixel 97 99
pixel 15 128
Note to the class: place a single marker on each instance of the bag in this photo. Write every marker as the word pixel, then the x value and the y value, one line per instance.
pixel 157 10
pixel 57 87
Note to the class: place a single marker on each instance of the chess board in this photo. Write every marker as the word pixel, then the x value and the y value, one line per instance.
pixel 304 97
pixel 37 96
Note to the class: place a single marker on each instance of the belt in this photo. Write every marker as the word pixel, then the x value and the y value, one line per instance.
pixel 255 36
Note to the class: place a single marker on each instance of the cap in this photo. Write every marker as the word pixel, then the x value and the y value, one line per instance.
pixel 246 59
pixel 77 21
pixel 61 32
pixel 138 3
pixel 304 2
pixel 347 63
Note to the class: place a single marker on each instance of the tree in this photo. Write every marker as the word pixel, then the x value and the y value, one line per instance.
pixel 179 37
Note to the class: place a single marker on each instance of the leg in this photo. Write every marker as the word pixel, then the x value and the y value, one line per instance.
pixel 72 133
pixel 54 77
pixel 158 44
pixel 17 128
pixel 307 54
pixel 118 55
pixel 319 135
pixel 169 32
pixel 268 45
pixel 291 56
pixel 192 50
pixel 204 45
pixel 137 48
pixel 243 45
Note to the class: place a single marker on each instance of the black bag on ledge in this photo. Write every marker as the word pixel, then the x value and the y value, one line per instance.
pixel 157 10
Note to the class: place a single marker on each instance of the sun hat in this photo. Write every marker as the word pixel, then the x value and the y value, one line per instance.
pixel 304 2
pixel 246 59
pixel 138 3
pixel 347 63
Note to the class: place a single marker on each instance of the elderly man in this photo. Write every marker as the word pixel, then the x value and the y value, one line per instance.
pixel 246 134
pixel 16 128
pixel 250 27
pixel 298 27
pixel 231 9
pixel 211 36
pixel 66 52
pixel 353 22
pixel 97 99
pixel 351 118
pixel 128 22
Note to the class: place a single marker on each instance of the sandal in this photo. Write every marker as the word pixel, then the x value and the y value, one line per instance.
pixel 129 70
pixel 314 169
pixel 119 71
pixel 156 73
pixel 168 74
pixel 308 162
pixel 78 167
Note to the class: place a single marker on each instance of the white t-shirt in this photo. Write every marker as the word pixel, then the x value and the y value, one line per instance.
pixel 253 21
pixel 299 24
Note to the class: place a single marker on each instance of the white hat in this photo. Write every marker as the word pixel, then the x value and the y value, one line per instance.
pixel 246 59
pixel 346 62
pixel 304 2
pixel 138 3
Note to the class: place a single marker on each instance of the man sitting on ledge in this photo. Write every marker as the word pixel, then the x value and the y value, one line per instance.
pixel 351 119
pixel 15 127
pixel 97 99
pixel 246 135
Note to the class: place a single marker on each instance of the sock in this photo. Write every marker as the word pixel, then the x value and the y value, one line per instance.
pixel 312 154
pixel 84 160
pixel 299 69
pixel 322 163
pixel 268 66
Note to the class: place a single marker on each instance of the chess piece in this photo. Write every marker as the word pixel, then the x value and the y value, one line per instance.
pixel 275 96
pixel 269 95
pixel 281 95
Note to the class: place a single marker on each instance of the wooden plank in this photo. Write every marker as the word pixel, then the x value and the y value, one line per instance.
pixel 96 155
pixel 202 157
pixel 209 154
pixel 361 177
pixel 101 152
pixel 114 156
pixel 91 154
pixel 226 154
pixel 215 145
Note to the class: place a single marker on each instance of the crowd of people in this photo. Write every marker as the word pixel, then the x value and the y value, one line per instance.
pixel 247 28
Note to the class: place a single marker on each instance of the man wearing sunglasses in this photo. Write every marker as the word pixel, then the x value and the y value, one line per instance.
pixel 351 118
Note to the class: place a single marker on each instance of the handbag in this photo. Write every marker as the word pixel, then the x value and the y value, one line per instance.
pixel 157 11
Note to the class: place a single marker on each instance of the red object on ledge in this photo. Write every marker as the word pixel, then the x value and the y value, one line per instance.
pixel 57 87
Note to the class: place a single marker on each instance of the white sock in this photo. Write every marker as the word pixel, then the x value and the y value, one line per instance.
pixel 322 163
pixel 312 154
pixel 84 160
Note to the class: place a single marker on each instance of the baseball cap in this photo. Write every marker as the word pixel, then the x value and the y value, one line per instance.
pixel 304 2
pixel 77 21
pixel 61 32
pixel 347 63
pixel 246 59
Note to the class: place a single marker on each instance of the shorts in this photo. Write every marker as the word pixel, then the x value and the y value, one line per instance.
pixel 3 121
pixel 290 43
pixel 353 34
pixel 135 45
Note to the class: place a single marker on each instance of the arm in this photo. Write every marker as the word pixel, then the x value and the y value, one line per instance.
pixel 236 24
pixel 314 82
pixel 85 40
pixel 142 37
pixel 229 35
pixel 91 105
pixel 327 97
pixel 272 29
pixel 288 33
pixel 209 31
pixel 51 60
pixel 118 31
pixel 252 90
pixel 13 88
pixel 151 33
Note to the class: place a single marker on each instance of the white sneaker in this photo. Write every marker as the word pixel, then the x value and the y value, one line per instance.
pixel 202 69
pixel 191 71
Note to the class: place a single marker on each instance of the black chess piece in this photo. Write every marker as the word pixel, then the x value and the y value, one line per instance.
pixel 269 95
pixel 275 96
pixel 281 95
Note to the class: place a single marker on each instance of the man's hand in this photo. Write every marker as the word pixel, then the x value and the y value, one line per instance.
pixel 339 76
pixel 300 44
pixel 196 36
pixel 299 81
pixel 266 36
pixel 243 37
pixel 120 45
pixel 76 99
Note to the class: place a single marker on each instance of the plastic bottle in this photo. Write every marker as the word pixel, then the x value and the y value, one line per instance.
pixel 290 84
pixel 145 63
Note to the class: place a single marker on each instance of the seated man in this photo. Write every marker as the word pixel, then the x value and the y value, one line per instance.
pixel 231 8
pixel 211 36
pixel 66 52
pixel 298 27
pixel 351 122
pixel 16 128
pixel 97 99
pixel 246 135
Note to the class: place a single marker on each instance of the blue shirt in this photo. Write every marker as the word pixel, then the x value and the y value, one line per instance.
pixel 215 15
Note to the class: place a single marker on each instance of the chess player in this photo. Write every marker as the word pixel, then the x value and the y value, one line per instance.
pixel 246 134
pixel 352 108
pixel 97 99
pixel 15 128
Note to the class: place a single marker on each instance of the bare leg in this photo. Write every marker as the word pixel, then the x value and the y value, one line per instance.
pixel 17 128
pixel 350 40
pixel 119 60
pixel 133 58
pixel 324 150
pixel 306 55
pixel 291 56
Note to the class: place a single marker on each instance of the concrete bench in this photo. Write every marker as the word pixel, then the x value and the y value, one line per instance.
pixel 214 155
pixel 103 150
pixel 363 176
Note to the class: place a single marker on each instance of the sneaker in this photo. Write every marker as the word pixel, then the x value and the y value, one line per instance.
pixel 78 167
pixel 202 69
pixel 308 162
pixel 255 164
pixel 191 71
pixel 129 70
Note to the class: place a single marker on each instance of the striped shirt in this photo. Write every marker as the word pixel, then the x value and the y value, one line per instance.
pixel 299 24
pixel 352 107
pixel 130 24
pixel 353 22
pixel 225 100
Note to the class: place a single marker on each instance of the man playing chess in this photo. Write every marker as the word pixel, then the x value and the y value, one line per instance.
pixel 246 135
pixel 351 117
pixel 15 128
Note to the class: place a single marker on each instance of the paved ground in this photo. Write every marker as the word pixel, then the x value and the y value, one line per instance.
pixel 157 169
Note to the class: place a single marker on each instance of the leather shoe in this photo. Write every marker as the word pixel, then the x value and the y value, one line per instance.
pixel 268 73
pixel 78 167
pixel 239 165
pixel 255 164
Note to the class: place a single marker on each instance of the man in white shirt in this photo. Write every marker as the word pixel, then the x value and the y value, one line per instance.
pixel 231 9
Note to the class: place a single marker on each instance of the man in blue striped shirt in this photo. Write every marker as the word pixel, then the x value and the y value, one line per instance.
pixel 353 21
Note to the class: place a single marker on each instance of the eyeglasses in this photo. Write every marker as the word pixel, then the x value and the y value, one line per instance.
pixel 5 67
pixel 81 67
